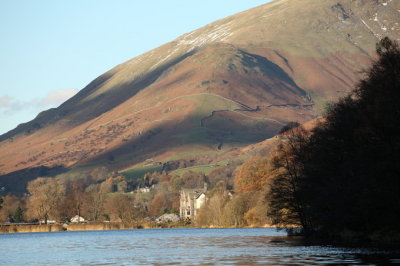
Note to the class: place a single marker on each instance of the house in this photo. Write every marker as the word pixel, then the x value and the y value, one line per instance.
pixel 48 221
pixel 144 190
pixel 191 201
pixel 77 219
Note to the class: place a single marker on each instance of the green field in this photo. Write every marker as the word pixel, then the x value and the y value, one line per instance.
pixel 200 168
pixel 140 171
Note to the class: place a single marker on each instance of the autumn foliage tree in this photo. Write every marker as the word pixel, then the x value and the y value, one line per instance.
pixel 158 205
pixel 253 175
pixel 247 205
pixel 214 211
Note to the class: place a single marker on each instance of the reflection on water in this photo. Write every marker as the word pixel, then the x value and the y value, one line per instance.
pixel 178 246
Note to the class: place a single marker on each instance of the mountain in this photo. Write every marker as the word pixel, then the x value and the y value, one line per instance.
pixel 232 83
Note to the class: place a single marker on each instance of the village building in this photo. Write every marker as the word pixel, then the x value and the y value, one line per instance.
pixel 142 190
pixel 191 201
pixel 77 219
pixel 47 222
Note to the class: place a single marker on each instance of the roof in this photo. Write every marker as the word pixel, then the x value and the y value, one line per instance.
pixel 195 192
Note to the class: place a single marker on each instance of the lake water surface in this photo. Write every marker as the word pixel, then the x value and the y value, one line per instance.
pixel 178 246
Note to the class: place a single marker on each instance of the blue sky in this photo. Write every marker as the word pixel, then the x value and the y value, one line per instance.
pixel 50 49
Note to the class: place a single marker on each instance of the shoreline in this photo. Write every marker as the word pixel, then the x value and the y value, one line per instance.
pixel 100 226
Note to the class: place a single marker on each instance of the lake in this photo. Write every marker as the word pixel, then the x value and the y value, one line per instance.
pixel 178 246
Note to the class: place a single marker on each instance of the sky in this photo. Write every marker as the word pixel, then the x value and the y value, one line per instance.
pixel 49 50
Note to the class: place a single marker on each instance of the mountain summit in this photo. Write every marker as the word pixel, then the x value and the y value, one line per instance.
pixel 234 82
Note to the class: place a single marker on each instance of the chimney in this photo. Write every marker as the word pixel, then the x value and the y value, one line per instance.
pixel 205 186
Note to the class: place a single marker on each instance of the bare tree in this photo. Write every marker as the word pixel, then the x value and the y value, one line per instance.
pixel 123 208
pixel 9 206
pixel 94 205
pixel 45 196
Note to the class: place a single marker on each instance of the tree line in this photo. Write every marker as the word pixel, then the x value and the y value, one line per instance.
pixel 102 196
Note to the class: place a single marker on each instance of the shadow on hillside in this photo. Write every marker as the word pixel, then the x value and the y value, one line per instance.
pixel 271 69
pixel 170 135
pixel 17 181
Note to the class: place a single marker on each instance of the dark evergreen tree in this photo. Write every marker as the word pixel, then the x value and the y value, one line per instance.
pixel 18 216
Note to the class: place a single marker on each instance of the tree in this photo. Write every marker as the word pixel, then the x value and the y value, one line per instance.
pixel 214 211
pixel 223 174
pixel 289 126
pixel 45 196
pixel 345 176
pixel 124 208
pixel 235 209
pixel 75 197
pixel 9 207
pixel 256 215
pixel 286 206
pixel 18 215
pixel 94 205
pixel 116 207
pixel 114 184
pixel 158 205
pixel 252 175
pixel 193 179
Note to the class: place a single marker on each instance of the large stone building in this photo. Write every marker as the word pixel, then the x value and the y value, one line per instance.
pixel 190 202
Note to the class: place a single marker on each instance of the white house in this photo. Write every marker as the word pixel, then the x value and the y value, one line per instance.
pixel 191 201
pixel 48 221
pixel 144 190
pixel 77 219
